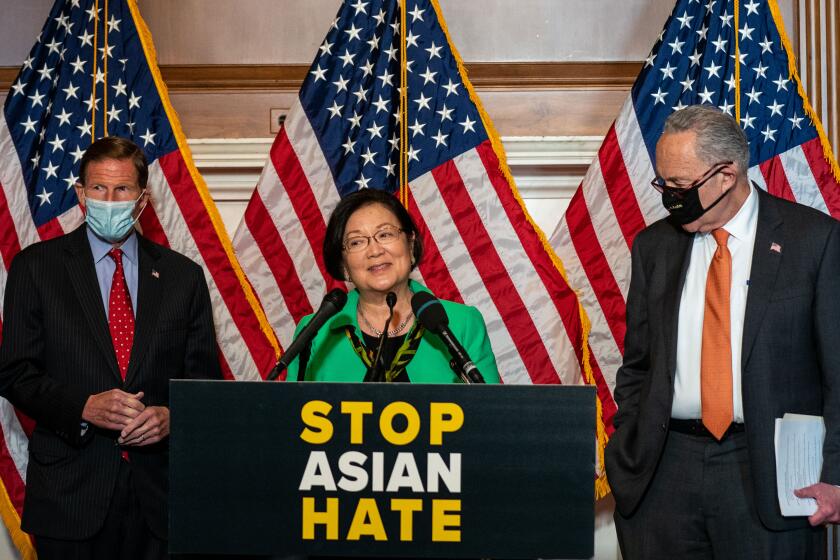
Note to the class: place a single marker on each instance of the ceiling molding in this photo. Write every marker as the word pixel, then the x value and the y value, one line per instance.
pixel 484 75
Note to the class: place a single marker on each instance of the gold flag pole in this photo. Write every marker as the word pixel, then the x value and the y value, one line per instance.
pixel 104 73
pixel 403 115
pixel 93 86
pixel 736 5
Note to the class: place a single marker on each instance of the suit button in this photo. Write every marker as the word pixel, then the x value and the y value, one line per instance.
pixel 664 427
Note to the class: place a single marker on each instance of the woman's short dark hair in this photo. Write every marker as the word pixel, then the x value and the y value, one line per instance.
pixel 334 238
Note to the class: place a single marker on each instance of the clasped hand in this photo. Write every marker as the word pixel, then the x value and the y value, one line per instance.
pixel 137 423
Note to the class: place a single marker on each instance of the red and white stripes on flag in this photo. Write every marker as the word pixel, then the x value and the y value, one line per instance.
pixel 184 217
pixel 613 203
pixel 283 227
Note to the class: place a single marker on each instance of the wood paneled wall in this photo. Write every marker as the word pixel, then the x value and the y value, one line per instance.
pixel 819 48
pixel 523 99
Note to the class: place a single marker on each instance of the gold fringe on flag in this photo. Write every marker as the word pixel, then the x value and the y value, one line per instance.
pixel 21 540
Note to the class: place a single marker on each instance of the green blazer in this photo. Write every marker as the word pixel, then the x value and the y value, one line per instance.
pixel 332 357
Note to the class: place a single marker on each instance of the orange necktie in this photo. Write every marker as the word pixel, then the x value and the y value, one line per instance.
pixel 716 355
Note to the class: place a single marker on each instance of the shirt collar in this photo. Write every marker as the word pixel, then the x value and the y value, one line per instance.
pixel 100 247
pixel 743 222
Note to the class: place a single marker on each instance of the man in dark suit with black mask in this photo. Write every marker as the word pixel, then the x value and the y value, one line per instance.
pixel 96 324
pixel 732 321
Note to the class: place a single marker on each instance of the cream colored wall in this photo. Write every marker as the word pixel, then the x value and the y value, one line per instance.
pixel 291 30
pixel 288 31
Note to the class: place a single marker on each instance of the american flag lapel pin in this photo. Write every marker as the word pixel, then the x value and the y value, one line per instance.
pixel 155 273
pixel 776 247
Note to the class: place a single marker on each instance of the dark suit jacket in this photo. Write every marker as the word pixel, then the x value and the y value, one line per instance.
pixel 57 351
pixel 790 348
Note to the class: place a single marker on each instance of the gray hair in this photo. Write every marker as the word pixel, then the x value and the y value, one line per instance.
pixel 719 138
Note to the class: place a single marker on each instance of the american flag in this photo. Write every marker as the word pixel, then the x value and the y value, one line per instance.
pixel 693 61
pixel 92 72
pixel 343 134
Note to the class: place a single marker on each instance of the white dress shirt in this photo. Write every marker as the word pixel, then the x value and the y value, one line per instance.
pixel 741 230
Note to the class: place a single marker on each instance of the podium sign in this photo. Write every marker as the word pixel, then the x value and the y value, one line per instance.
pixel 382 469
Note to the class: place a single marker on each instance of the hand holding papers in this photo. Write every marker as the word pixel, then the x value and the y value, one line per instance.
pixel 799 444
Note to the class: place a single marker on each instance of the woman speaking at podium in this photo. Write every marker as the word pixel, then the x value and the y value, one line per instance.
pixel 372 241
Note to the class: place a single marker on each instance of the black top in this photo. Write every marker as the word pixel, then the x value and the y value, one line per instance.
pixel 389 351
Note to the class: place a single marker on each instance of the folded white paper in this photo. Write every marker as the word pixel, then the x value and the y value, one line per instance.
pixel 799 445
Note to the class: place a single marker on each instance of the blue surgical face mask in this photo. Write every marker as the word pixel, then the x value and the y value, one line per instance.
pixel 111 221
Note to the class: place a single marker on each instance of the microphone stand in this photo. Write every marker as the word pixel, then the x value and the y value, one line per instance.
pixel 275 372
pixel 376 370
pixel 431 314
pixel 332 303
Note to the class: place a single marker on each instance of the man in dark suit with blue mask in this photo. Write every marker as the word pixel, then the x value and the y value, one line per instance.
pixel 96 324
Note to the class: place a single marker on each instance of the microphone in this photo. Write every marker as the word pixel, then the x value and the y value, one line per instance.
pixel 431 314
pixel 374 373
pixel 332 303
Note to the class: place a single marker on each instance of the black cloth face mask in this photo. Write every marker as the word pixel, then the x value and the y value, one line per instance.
pixel 684 204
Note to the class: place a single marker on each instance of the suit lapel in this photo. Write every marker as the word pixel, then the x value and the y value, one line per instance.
pixel 82 272
pixel 676 268
pixel 148 304
pixel 765 267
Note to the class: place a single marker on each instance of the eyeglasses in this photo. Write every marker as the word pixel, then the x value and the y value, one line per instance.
pixel 682 192
pixel 384 236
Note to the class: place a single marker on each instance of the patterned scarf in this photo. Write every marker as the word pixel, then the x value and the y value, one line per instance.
pixel 404 355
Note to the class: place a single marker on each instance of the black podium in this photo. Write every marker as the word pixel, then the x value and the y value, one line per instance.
pixel 366 470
